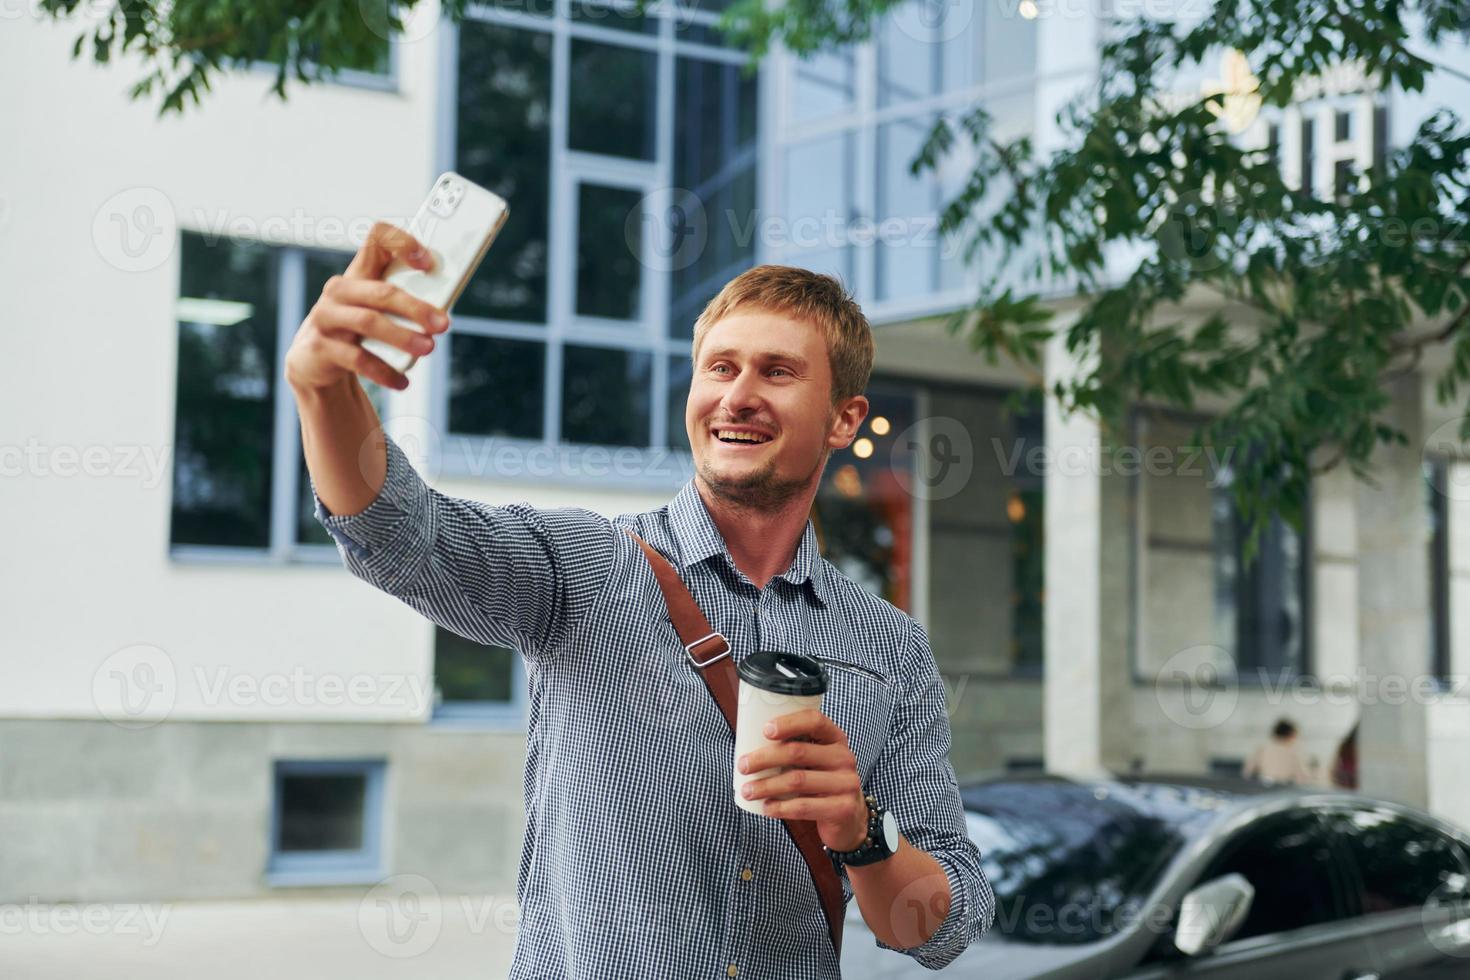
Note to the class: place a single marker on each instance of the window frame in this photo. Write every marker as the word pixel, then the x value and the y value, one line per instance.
pixel 1352 873
pixel 1142 540
pixel 1342 894
pixel 508 716
pixel 291 309
pixel 1441 575
pixel 551 460
pixel 387 81
pixel 862 123
pixel 924 388
pixel 362 866
pixel 285 442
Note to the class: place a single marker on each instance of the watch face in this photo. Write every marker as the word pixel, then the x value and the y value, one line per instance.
pixel 890 832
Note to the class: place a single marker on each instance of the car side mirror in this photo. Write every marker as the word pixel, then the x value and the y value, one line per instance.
pixel 1211 913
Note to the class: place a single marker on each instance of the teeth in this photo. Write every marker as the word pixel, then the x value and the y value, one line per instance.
pixel 741 437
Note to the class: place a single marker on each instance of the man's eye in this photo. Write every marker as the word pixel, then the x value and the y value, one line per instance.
pixel 779 371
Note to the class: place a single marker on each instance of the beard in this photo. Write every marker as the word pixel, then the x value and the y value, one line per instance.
pixel 761 490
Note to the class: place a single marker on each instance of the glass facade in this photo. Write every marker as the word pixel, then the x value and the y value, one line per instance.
pixel 626 218
pixel 851 124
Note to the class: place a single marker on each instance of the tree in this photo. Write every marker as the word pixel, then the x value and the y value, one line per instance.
pixel 1321 299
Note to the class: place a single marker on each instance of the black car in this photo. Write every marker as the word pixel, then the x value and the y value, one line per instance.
pixel 1157 878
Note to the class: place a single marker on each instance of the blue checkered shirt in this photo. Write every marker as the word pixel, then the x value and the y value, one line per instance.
pixel 636 860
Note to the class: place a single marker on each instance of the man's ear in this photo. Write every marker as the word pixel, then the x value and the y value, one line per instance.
pixel 847 418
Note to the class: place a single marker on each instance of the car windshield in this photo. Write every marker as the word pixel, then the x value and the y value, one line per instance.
pixel 1073 863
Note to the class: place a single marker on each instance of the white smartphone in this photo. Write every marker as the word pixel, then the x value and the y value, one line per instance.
pixel 456 223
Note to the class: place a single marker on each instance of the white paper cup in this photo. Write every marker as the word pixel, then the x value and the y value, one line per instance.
pixel 771 685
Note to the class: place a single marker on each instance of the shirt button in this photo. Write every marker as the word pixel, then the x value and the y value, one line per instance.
pixel 730 970
pixel 745 875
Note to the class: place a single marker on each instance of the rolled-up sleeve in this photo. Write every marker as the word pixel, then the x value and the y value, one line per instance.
pixel 916 781
pixel 514 576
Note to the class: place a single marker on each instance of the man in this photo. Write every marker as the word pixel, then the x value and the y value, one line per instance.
pixel 637 862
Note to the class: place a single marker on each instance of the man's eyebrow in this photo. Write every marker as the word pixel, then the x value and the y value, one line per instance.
pixel 770 355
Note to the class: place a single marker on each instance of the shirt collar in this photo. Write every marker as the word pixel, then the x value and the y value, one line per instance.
pixel 698 539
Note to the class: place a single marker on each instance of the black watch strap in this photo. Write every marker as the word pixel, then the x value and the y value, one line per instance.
pixel 874 847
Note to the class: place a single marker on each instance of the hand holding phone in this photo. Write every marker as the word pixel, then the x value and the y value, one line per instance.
pixel 456 224
pixel 379 316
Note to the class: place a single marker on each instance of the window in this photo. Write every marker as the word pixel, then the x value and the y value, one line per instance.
pixel 613 94
pixel 1261 605
pixel 235 426
pixel 1342 125
pixel 326 825
pixel 864 514
pixel 942 486
pixel 503 144
pixel 854 206
pixel 1380 136
pixel 476 683
pixel 631 205
pixel 1309 154
pixel 370 58
pixel 1436 494
pixel 1288 860
pixel 1400 863
pixel 226 392
pixel 1344 179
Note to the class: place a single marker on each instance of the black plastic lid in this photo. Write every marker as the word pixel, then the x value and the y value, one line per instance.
pixel 783 673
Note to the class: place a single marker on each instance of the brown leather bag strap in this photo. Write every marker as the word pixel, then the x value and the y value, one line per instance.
pixel 713 663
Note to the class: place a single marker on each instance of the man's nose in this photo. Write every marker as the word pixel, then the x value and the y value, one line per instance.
pixel 742 394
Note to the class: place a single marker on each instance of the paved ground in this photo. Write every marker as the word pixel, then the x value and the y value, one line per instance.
pixel 387 934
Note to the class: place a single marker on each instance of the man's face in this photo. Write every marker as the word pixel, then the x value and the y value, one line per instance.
pixel 760 415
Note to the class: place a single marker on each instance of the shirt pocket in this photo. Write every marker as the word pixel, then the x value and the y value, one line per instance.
pixel 859 699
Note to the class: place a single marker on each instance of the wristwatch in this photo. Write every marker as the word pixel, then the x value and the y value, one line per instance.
pixel 881 842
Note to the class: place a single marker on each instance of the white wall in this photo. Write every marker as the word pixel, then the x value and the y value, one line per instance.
pixel 90 362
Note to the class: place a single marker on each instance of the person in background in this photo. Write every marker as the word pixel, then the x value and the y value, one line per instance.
pixel 1278 760
pixel 1345 763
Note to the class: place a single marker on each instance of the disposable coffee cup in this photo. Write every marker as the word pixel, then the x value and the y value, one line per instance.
pixel 771 685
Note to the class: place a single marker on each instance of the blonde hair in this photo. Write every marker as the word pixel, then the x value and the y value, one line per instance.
pixel 813 298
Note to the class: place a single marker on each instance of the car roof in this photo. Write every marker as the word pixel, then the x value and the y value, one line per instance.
pixel 1199 801
pixel 1203 800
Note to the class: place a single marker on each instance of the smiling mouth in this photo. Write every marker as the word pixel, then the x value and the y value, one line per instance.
pixel 736 438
